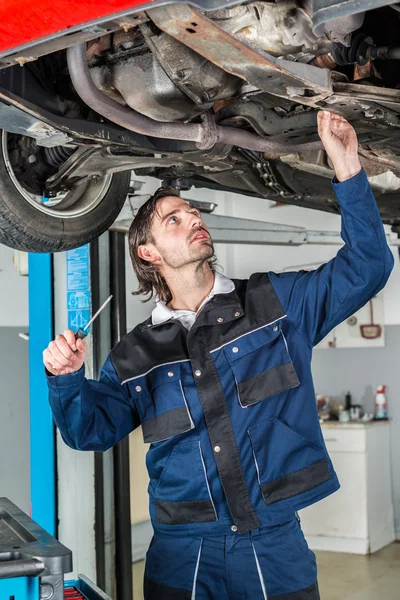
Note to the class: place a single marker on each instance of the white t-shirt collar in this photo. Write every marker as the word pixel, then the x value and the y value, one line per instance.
pixel 161 313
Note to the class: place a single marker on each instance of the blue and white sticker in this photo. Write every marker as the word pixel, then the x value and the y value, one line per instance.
pixel 78 287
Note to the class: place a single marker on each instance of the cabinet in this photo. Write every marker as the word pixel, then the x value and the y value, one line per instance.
pixel 359 518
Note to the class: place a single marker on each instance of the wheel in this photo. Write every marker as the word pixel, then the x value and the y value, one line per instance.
pixel 32 223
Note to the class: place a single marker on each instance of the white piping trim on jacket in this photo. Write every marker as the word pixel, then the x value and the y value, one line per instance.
pixel 247 333
pixel 284 339
pixel 255 460
pixel 264 591
pixel 208 486
pixel 238 394
pixel 196 572
pixel 187 408
pixel 175 362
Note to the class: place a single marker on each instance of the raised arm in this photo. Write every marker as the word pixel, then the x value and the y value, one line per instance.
pixel 316 301
pixel 91 415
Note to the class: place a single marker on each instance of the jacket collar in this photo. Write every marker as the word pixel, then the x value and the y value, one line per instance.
pixel 161 313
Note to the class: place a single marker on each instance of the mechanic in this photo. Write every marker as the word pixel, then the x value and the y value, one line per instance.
pixel 219 378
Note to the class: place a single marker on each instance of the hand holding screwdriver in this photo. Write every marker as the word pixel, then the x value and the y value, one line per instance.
pixel 66 354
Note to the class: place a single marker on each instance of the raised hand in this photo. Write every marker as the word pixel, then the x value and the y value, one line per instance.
pixel 340 142
pixel 65 354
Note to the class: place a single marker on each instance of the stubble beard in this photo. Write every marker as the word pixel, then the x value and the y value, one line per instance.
pixel 196 255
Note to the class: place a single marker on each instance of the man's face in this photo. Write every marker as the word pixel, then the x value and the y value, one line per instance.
pixel 180 236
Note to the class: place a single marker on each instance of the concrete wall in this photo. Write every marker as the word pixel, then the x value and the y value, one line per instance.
pixel 360 371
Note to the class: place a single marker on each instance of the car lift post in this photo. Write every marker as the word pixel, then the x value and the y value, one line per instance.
pixel 113 518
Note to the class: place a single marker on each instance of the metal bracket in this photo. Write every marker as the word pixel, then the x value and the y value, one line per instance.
pixel 287 79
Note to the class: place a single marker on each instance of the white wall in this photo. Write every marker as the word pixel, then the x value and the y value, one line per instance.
pixel 248 259
pixel 14 292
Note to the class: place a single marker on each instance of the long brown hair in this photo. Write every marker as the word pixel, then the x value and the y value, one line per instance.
pixel 150 279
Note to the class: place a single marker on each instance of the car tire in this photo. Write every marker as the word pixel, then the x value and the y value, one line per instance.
pixel 30 229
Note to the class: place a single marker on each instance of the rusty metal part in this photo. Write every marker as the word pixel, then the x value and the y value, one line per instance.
pixel 198 78
pixel 97 47
pixel 126 39
pixel 278 28
pixel 324 61
pixel 393 162
pixel 130 21
pixel 366 92
pixel 293 80
pixel 205 135
pixel 362 71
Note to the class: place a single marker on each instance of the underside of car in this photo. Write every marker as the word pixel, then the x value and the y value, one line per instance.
pixel 210 95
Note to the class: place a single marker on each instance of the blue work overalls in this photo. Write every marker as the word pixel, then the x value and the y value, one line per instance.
pixel 229 410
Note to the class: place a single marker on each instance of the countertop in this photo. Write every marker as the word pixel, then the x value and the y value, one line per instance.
pixel 352 424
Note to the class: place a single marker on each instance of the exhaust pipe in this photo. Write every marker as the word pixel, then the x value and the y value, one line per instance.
pixel 205 134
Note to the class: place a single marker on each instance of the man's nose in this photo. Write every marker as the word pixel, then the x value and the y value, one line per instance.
pixel 197 221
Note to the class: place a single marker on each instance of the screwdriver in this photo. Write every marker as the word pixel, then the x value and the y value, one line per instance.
pixel 82 333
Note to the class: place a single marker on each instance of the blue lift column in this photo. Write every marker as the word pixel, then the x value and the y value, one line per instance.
pixel 42 431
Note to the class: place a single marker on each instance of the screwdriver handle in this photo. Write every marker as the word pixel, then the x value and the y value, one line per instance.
pixel 80 334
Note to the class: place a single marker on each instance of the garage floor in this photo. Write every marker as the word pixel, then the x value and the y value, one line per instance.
pixel 341 576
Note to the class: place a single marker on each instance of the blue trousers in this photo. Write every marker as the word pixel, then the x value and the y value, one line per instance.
pixel 270 562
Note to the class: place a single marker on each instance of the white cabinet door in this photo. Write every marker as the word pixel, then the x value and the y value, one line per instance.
pixel 343 514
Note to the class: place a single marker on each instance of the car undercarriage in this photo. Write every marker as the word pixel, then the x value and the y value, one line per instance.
pixel 212 97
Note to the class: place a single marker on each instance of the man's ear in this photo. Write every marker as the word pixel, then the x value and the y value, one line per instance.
pixel 146 252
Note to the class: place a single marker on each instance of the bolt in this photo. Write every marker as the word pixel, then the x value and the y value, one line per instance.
pixel 31 158
pixel 46 591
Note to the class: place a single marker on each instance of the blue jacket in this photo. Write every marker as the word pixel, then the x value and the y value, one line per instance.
pixel 229 407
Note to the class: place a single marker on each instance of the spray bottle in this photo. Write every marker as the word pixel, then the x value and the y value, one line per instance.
pixel 380 403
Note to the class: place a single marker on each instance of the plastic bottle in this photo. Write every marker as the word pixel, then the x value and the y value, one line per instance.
pixel 380 403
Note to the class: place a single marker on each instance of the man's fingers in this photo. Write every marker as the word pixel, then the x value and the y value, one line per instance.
pixel 70 337
pixel 51 362
pixel 324 124
pixel 81 348
pixel 58 355
pixel 64 347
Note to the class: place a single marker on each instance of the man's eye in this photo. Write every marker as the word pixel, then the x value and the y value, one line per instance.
pixel 170 219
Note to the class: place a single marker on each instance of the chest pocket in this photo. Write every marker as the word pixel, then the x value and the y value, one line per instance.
pixel 261 364
pixel 161 403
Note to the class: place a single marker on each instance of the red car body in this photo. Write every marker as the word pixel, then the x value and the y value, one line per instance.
pixel 23 22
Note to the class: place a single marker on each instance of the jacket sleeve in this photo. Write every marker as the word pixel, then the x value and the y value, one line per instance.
pixel 317 301
pixel 92 415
